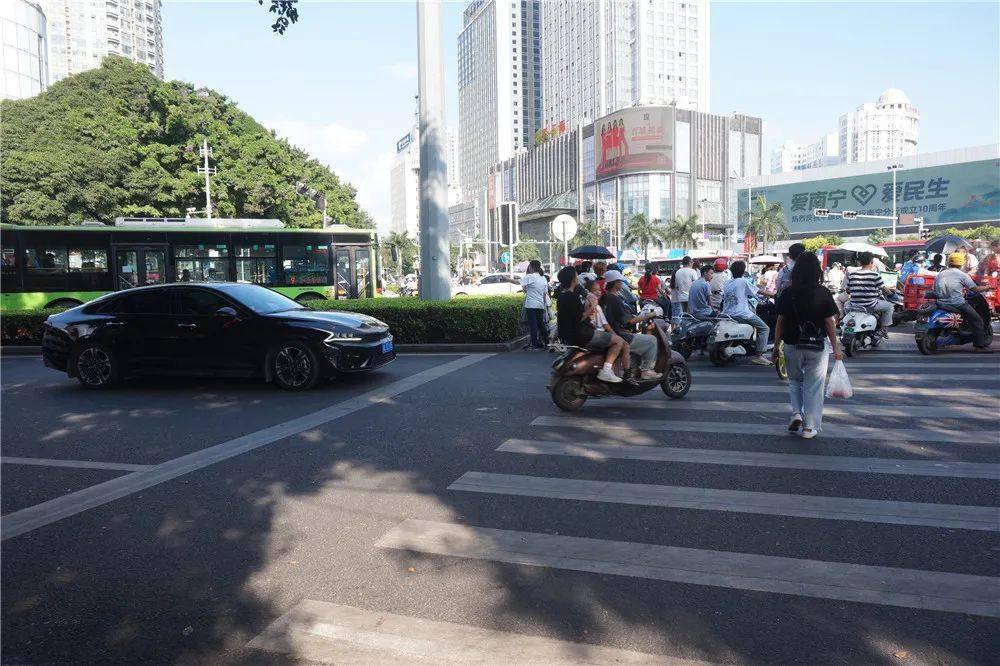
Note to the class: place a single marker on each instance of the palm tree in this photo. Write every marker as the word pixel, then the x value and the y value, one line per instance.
pixel 682 231
pixel 643 232
pixel 587 233
pixel 766 222
pixel 403 245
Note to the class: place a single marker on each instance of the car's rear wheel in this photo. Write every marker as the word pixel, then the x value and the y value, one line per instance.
pixel 97 367
pixel 294 366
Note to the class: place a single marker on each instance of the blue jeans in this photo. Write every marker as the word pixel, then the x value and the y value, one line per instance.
pixel 537 326
pixel 806 383
pixel 763 332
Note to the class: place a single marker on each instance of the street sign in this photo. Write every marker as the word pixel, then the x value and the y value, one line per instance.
pixel 505 257
pixel 850 214
pixel 564 227
pixel 821 212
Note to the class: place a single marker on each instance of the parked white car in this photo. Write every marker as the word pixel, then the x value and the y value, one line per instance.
pixel 494 284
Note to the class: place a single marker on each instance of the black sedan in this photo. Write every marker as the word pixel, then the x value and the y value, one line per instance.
pixel 217 329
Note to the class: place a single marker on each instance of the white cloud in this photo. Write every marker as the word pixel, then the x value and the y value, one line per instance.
pixel 402 70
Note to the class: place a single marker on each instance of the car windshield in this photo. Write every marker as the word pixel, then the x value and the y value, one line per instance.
pixel 260 299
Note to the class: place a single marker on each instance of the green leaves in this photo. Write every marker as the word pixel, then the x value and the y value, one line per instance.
pixel 117 141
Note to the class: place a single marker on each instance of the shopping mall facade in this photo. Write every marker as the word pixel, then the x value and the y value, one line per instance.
pixel 658 160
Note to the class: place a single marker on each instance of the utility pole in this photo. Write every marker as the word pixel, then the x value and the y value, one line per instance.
pixel 435 283
pixel 893 168
pixel 205 153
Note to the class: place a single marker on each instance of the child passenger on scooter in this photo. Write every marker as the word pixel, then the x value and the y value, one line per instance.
pixel 597 319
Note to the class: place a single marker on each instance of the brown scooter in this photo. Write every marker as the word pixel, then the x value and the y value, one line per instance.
pixel 574 373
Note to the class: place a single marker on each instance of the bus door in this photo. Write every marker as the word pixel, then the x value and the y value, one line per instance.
pixel 140 265
pixel 352 272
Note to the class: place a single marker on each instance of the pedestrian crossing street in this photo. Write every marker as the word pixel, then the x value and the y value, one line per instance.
pixel 743 424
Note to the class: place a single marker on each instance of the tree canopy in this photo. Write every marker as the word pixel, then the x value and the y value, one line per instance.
pixel 117 141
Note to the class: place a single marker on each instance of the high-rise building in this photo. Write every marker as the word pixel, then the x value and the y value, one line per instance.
pixel 499 85
pixel 23 49
pixel 792 156
pixel 404 181
pixel 604 55
pixel 884 130
pixel 82 32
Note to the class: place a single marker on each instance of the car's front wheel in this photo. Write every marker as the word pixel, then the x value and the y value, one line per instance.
pixel 294 366
pixel 97 367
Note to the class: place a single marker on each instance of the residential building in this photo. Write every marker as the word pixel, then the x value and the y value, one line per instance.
pixel 23 49
pixel 404 182
pixel 499 82
pixel 660 161
pixel 604 55
pixel 792 156
pixel 887 129
pixel 82 32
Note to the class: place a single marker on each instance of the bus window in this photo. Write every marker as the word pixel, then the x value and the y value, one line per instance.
pixel 257 264
pixel 305 264
pixel 45 269
pixel 86 260
pixel 361 268
pixel 342 273
pixel 203 263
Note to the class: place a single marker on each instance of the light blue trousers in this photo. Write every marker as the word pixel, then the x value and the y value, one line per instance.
pixel 806 383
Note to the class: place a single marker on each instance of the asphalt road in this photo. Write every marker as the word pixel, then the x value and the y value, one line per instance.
pixel 443 508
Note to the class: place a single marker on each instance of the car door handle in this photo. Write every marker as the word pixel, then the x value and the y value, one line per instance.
pixel 187 325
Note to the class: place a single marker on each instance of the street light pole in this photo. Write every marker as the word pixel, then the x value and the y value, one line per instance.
pixel 434 254
pixel 893 168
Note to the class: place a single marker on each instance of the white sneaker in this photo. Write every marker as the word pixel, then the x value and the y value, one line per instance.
pixel 608 376
pixel 650 374
pixel 760 360
pixel 807 433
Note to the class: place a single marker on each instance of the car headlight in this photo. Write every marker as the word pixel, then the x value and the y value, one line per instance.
pixel 342 336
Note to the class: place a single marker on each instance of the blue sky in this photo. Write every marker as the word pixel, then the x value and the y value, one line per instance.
pixel 341 82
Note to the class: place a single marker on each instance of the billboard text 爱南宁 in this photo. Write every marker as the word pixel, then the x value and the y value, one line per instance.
pixel 634 140
pixel 946 194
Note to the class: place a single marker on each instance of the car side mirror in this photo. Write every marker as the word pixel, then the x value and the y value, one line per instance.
pixel 226 312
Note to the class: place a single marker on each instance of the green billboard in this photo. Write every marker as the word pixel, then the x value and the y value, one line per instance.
pixel 948 194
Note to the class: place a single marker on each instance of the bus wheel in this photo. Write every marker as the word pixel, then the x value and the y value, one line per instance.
pixel 64 303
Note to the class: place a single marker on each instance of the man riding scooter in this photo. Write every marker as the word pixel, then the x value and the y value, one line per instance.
pixel 573 322
pixel 623 320
pixel 949 289
pixel 865 288
pixel 736 297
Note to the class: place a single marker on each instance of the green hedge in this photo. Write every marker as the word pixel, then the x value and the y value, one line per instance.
pixel 488 319
pixel 492 319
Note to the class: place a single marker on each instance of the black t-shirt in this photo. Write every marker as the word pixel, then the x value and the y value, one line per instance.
pixel 618 313
pixel 815 305
pixel 573 330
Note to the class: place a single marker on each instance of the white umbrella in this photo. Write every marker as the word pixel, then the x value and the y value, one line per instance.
pixel 863 247
pixel 766 259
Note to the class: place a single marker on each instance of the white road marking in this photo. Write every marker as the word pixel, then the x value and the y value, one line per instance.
pixel 891 586
pixel 604 451
pixel 851 408
pixel 49 512
pixel 321 632
pixel 926 374
pixel 951 516
pixel 834 431
pixel 941 392
pixel 76 464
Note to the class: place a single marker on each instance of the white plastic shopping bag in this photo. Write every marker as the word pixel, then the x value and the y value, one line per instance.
pixel 839 384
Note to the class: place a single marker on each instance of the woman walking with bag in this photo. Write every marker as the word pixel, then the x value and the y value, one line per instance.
pixel 807 318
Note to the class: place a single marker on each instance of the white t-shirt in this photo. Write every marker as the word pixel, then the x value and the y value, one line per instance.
pixel 683 279
pixel 599 320
pixel 535 288
pixel 719 281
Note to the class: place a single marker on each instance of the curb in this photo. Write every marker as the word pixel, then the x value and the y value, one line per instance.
pixel 429 348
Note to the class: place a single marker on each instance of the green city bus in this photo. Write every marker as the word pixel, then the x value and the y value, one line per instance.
pixel 64 266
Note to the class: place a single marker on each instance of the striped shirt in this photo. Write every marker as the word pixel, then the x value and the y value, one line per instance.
pixel 865 287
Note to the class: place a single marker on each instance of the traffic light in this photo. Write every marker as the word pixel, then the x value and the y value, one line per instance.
pixel 850 215
pixel 507 212
pixel 821 212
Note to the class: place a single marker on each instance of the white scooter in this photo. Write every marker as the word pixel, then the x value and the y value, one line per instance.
pixel 733 339
pixel 859 331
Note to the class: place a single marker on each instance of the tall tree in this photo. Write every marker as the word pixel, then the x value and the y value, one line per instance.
pixel 643 232
pixel 878 236
pixel 403 247
pixel 766 222
pixel 682 231
pixel 587 233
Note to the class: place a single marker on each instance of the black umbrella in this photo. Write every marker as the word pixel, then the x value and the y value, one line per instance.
pixel 591 252
pixel 946 244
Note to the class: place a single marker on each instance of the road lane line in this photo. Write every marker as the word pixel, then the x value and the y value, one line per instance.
pixel 941 393
pixel 876 379
pixel 889 586
pixel 776 429
pixel 602 451
pixel 49 512
pixel 841 409
pixel 323 632
pixel 76 464
pixel 950 516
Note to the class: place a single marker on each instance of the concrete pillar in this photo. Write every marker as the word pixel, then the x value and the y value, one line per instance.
pixel 435 273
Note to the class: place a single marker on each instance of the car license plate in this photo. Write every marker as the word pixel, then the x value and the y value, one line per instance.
pixel 386 347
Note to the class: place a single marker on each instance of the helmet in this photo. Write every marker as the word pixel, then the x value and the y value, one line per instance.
pixel 721 264
pixel 956 259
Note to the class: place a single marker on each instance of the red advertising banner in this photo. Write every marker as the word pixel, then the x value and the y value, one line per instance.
pixel 633 140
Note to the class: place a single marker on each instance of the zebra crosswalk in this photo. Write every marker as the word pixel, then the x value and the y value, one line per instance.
pixel 723 453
